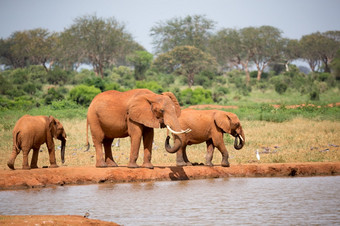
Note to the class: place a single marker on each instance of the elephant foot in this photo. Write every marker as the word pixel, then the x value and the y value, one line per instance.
pixel 225 164
pixel 101 164
pixel 147 165
pixel 26 167
pixel 189 163
pixel 181 163
pixel 133 165
pixel 34 167
pixel 53 166
pixel 209 164
pixel 10 165
pixel 111 163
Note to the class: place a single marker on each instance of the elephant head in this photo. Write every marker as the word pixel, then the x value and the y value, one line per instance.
pixel 57 131
pixel 157 111
pixel 230 123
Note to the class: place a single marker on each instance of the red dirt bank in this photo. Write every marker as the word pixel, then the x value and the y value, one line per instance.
pixel 21 179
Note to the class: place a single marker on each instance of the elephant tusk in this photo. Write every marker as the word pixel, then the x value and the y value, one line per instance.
pixel 175 132
pixel 241 138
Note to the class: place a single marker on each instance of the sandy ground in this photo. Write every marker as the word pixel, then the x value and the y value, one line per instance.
pixel 37 178
pixel 34 220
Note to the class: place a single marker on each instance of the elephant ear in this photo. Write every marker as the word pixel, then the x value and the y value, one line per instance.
pixel 140 110
pixel 175 101
pixel 223 121
pixel 53 126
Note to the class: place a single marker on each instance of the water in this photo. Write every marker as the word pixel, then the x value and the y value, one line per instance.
pixel 232 201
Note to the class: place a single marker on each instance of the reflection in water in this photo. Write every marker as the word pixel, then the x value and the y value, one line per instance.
pixel 308 200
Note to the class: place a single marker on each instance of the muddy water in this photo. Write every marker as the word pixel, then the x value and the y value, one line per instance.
pixel 235 201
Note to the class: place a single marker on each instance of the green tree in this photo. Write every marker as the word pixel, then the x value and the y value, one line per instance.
pixel 335 65
pixel 265 44
pixel 100 42
pixel 192 30
pixel 185 60
pixel 141 60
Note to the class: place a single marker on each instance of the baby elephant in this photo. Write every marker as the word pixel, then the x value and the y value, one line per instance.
pixel 209 126
pixel 32 131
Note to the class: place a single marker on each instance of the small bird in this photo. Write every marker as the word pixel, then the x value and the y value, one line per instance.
pixel 87 214
pixel 257 154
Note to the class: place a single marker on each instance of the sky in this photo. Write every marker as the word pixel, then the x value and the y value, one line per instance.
pixel 294 18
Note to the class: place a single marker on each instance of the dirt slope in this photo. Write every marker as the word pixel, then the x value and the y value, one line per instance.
pixel 21 179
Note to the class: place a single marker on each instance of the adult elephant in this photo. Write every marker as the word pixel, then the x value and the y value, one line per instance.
pixel 113 114
pixel 30 132
pixel 209 126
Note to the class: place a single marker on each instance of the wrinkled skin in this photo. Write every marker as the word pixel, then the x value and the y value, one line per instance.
pixel 30 132
pixel 209 126
pixel 133 113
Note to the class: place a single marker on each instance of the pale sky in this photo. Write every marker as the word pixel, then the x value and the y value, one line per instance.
pixel 294 18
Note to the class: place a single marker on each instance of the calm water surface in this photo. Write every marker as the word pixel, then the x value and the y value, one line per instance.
pixel 233 201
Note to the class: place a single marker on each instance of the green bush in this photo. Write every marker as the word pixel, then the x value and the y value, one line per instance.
pixel 152 85
pixel 83 94
pixel 57 76
pixel 52 95
pixel 113 86
pixel 197 96
pixel 96 82
pixel 281 87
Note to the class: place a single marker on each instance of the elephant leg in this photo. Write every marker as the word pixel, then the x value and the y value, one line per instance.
pixel 185 157
pixel 210 153
pixel 108 153
pixel 34 161
pixel 135 132
pixel 221 147
pixel 180 159
pixel 10 162
pixel 99 154
pixel 51 153
pixel 25 152
pixel 148 135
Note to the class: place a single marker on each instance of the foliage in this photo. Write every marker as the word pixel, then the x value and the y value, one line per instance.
pixel 196 96
pixel 141 60
pixel 152 85
pixel 189 31
pixel 83 94
pixel 185 60
pixel 52 95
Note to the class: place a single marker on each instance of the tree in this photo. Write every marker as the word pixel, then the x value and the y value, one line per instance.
pixel 265 44
pixel 291 51
pixel 232 48
pixel 100 42
pixel 31 47
pixel 141 60
pixel 191 30
pixel 185 60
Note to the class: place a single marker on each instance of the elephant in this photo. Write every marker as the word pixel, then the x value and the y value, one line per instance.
pixel 30 132
pixel 208 126
pixel 134 113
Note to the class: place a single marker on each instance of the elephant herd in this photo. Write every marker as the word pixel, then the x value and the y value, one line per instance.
pixel 135 113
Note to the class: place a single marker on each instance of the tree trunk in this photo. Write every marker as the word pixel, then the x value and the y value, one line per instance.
pixel 246 69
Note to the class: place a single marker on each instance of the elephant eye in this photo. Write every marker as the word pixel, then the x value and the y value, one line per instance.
pixel 162 110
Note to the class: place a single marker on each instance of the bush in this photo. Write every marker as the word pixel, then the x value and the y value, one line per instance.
pixel 281 87
pixel 57 76
pixel 96 82
pixel 113 86
pixel 197 96
pixel 52 95
pixel 152 85
pixel 83 94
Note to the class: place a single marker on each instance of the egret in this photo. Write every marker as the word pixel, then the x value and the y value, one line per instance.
pixel 257 154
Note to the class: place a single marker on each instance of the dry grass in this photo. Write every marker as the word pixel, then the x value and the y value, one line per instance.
pixel 299 140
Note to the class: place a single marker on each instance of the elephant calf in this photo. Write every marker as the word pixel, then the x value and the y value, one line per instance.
pixel 209 126
pixel 30 132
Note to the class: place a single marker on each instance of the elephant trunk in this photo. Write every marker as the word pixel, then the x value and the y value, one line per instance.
pixel 177 144
pixel 240 143
pixel 63 145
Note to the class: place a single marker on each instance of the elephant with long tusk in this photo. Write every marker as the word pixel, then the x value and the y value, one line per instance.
pixel 208 126
pixel 133 113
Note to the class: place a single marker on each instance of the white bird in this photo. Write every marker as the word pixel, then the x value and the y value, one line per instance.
pixel 257 154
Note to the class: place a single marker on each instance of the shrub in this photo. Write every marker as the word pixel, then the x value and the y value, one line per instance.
pixel 96 82
pixel 281 87
pixel 83 94
pixel 52 95
pixel 57 76
pixel 197 96
pixel 152 85
pixel 113 86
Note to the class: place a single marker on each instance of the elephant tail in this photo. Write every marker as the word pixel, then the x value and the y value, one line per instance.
pixel 87 135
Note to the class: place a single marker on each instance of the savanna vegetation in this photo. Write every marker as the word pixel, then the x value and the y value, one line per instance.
pixel 43 73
